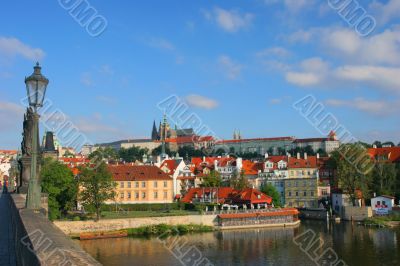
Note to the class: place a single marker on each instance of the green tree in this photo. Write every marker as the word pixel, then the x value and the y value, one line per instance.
pixel 213 179
pixel 58 181
pixel 377 143
pixel 157 151
pixel 132 154
pixel 239 181
pixel 106 153
pixel 271 191
pixel 388 143
pixel 352 175
pixel 384 178
pixel 97 186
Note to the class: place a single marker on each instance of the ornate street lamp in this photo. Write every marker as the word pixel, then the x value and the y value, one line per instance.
pixel 36 85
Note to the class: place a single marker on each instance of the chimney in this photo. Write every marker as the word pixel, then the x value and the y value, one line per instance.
pixel 298 155
pixel 317 155
pixel 204 159
pixel 374 146
pixel 305 156
pixel 266 155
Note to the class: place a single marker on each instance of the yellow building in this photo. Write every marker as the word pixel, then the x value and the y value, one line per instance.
pixel 301 188
pixel 141 184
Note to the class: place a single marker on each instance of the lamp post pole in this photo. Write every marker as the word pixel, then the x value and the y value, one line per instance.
pixel 34 189
pixel 36 86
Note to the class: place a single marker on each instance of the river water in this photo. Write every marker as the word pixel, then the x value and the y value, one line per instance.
pixel 353 244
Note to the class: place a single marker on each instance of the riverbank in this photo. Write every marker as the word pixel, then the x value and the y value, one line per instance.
pixel 383 221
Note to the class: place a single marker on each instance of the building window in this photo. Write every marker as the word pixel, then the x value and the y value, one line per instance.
pixel 155 184
pixel 383 203
pixel 324 192
pixel 305 194
pixel 136 184
pixel 312 193
pixel 297 193
pixel 143 195
pixel 155 194
pixel 121 195
pixel 305 183
pixel 136 195
pixel 290 193
pixel 165 194
pixel 165 183
pixel 143 183
pixel 129 195
pixel 121 184
pixel 129 184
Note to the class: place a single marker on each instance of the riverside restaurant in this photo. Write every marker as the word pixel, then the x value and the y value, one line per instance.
pixel 278 217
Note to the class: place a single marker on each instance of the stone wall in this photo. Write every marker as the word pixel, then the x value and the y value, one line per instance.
pixel 354 213
pixel 76 227
pixel 39 242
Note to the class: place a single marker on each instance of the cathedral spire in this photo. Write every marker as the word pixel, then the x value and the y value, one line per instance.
pixel 154 133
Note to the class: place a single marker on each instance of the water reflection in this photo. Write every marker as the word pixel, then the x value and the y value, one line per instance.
pixel 356 245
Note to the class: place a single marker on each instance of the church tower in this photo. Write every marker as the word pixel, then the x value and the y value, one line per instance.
pixel 154 133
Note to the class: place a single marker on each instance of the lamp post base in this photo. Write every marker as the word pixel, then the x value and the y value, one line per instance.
pixel 33 199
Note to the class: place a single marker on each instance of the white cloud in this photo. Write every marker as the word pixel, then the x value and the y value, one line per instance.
pixel 201 101
pixel 9 113
pixel 379 108
pixel 12 47
pixel 231 69
pixel 312 72
pixel 94 124
pixel 346 44
pixel 383 48
pixel 374 76
pixel 161 43
pixel 385 12
pixel 229 20
pixel 293 6
pixel 301 36
pixel 315 72
pixel 86 79
pixel 274 51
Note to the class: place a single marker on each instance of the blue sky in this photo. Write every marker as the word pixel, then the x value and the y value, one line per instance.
pixel 237 64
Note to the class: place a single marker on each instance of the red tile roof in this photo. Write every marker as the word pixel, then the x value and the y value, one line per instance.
pixel 251 196
pixel 137 172
pixel 310 162
pixel 251 168
pixel 392 154
pixel 171 165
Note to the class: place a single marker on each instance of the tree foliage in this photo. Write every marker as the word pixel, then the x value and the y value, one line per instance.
pixel 106 153
pixel 384 178
pixel 239 181
pixel 350 161
pixel 213 179
pixel 271 191
pixel 58 181
pixel 97 186
pixel 132 154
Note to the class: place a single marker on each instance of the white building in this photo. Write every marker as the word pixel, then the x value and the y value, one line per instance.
pixel 382 204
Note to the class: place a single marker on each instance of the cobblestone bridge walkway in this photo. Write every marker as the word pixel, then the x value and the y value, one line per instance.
pixel 7 252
